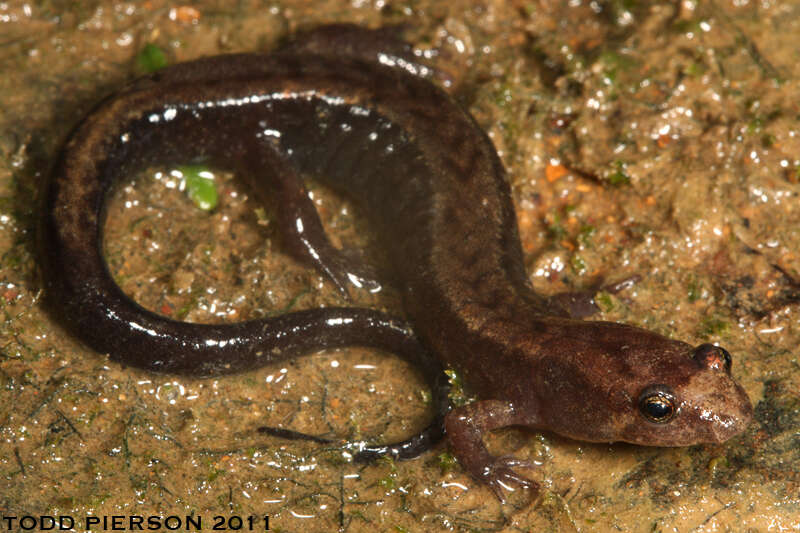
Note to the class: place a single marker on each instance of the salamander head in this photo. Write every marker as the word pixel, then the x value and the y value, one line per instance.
pixel 704 405
pixel 607 382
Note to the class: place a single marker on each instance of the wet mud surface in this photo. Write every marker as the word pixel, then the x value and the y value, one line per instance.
pixel 652 139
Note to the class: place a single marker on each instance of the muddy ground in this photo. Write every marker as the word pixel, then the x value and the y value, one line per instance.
pixel 658 139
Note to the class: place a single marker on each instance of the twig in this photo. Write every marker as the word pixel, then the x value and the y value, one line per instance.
pixel 19 461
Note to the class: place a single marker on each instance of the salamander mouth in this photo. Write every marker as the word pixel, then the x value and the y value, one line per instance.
pixel 728 426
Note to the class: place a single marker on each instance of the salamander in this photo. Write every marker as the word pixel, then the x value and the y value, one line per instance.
pixel 344 107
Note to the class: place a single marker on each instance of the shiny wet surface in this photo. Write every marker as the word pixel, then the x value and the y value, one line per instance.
pixel 658 141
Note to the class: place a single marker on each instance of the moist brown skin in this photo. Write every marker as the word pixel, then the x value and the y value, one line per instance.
pixel 429 179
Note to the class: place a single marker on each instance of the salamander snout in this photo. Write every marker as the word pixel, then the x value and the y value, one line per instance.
pixel 717 405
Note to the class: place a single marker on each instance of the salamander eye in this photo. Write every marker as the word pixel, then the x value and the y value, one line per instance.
pixel 657 404
pixel 712 357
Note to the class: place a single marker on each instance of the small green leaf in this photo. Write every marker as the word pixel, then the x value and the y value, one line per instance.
pixel 200 186
pixel 151 58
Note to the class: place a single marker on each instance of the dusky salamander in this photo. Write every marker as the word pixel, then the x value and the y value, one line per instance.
pixel 350 108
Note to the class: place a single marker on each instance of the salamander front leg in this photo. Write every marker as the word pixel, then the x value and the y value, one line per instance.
pixel 465 427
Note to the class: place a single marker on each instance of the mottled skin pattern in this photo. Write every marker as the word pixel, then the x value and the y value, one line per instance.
pixel 430 180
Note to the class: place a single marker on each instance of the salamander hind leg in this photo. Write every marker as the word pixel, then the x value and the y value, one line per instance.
pixel 581 304
pixel 305 239
pixel 301 229
pixel 465 427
